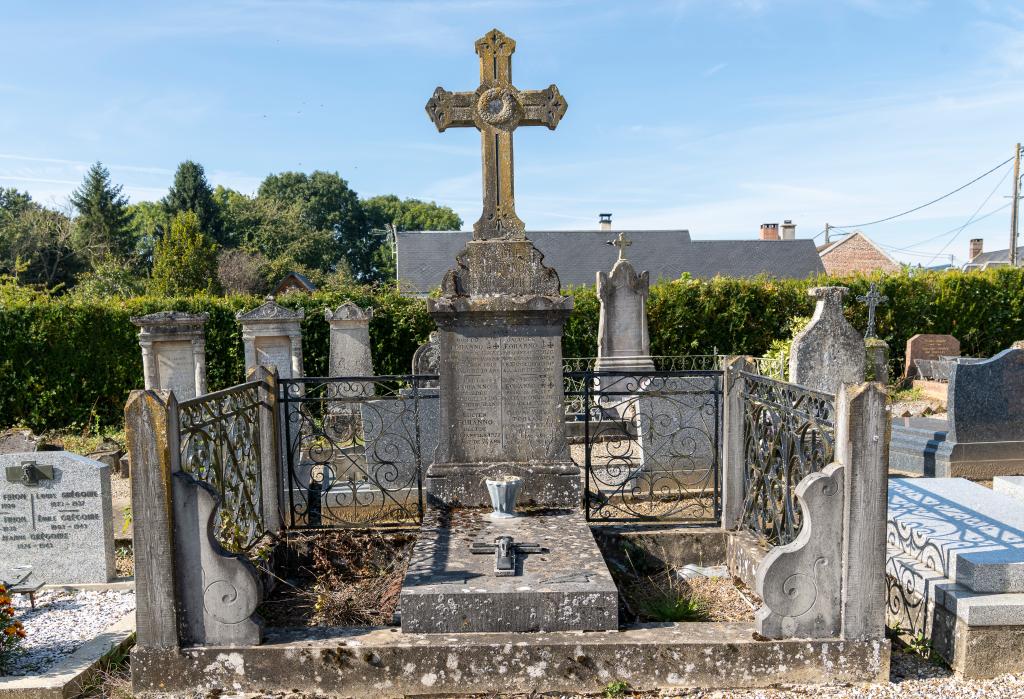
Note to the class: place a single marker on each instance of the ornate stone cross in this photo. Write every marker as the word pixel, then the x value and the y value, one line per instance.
pixel 496 108
pixel 621 242
pixel 873 299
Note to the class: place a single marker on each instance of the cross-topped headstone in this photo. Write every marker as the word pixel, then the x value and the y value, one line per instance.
pixel 621 242
pixel 873 299
pixel 496 108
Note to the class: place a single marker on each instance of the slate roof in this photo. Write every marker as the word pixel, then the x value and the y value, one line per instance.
pixel 425 256
pixel 994 257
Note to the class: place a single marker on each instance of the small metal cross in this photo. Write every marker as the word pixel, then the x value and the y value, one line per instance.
pixel 873 299
pixel 622 242
pixel 505 549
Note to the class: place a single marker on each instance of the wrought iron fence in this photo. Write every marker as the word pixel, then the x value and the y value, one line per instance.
pixel 220 442
pixel 648 443
pixel 355 449
pixel 788 433
pixel 773 367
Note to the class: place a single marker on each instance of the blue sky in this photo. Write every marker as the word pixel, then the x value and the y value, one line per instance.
pixel 709 115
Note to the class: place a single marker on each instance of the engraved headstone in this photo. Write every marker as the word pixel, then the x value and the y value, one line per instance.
pixel 174 352
pixel 350 340
pixel 829 351
pixel 622 339
pixel 928 347
pixel 55 516
pixel 272 337
pixel 500 315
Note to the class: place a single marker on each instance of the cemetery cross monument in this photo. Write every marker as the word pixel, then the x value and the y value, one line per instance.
pixel 873 299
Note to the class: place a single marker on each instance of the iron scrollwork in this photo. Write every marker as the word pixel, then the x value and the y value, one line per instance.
pixel 355 448
pixel 220 446
pixel 788 434
pixel 650 446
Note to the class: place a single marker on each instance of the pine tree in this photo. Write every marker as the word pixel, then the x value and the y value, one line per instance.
pixel 185 260
pixel 103 225
pixel 192 192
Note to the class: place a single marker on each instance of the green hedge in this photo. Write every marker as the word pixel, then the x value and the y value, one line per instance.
pixel 66 361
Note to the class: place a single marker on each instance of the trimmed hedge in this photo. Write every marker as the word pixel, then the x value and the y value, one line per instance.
pixel 67 361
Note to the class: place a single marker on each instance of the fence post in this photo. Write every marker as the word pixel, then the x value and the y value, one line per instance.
pixel 732 440
pixel 863 429
pixel 271 471
pixel 151 430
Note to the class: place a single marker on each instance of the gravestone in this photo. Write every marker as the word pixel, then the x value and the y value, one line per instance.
pixel 983 435
pixel 174 352
pixel 829 351
pixel 350 340
pixel 622 339
pixel 425 359
pixel 55 515
pixel 272 337
pixel 928 347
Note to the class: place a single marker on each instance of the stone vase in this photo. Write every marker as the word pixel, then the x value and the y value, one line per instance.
pixel 503 494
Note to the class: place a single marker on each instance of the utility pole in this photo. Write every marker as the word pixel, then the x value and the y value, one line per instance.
pixel 827 229
pixel 1013 211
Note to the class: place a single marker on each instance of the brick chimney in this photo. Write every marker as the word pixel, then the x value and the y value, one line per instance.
pixel 977 244
pixel 604 221
pixel 788 230
pixel 769 231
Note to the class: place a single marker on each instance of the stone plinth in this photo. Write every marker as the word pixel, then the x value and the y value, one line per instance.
pixel 59 525
pixel 500 322
pixel 928 347
pixel 876 353
pixel 449 589
pixel 829 352
pixel 623 343
pixel 272 337
pixel 174 352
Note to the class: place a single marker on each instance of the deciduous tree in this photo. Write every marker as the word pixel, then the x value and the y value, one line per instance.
pixel 185 260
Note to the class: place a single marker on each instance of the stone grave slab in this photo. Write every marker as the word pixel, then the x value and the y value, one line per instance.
pixel 968 533
pixel 1009 485
pixel 55 515
pixel 449 589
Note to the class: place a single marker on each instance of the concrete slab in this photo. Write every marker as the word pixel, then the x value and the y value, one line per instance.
pixel 382 663
pixel 970 534
pixel 449 589
pixel 1009 485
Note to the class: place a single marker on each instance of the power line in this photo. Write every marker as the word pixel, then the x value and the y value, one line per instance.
pixel 971 219
pixel 933 201
pixel 908 249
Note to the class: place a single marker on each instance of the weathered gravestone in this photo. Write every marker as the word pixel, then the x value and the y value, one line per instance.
pixel 983 435
pixel 350 340
pixel 829 351
pixel 500 317
pixel 622 339
pixel 174 352
pixel 928 347
pixel 55 515
pixel 272 337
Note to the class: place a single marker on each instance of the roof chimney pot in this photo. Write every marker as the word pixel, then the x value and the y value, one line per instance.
pixel 976 247
pixel 604 221
pixel 769 231
pixel 788 231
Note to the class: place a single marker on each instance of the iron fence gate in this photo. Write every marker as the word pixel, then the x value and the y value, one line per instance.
pixel 355 449
pixel 649 443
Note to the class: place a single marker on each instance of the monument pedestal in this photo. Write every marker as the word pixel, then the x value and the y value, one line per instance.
pixel 450 589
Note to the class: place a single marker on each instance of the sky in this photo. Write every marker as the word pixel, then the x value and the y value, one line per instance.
pixel 709 115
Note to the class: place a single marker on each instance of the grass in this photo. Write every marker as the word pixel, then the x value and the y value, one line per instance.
pixel 615 689
pixel 669 604
pixel 907 394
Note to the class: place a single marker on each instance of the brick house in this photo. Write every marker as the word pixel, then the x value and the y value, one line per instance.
pixel 855 253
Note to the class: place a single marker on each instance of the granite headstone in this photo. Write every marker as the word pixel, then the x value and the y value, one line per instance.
pixel 928 347
pixel 55 515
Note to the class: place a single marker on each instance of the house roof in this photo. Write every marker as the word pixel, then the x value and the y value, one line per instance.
pixel 995 256
pixel 302 280
pixel 847 259
pixel 425 256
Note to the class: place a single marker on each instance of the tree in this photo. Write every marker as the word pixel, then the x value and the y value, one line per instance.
pixel 149 222
pixel 243 272
pixel 325 203
pixel 36 245
pixel 409 214
pixel 192 192
pixel 12 203
pixel 185 260
pixel 103 225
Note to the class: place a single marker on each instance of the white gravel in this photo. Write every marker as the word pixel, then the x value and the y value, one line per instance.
pixel 62 621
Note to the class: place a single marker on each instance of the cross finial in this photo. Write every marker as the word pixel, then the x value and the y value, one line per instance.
pixel 496 108
pixel 873 299
pixel 621 242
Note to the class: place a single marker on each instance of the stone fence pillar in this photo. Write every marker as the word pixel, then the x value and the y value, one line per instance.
pixel 830 581
pixel 174 352
pixel 829 352
pixel 732 440
pixel 272 337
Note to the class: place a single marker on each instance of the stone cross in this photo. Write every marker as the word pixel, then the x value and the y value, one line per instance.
pixel 622 242
pixel 496 108
pixel 505 549
pixel 873 299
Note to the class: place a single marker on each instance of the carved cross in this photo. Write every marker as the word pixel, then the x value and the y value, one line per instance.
pixel 505 549
pixel 622 242
pixel 873 299
pixel 496 108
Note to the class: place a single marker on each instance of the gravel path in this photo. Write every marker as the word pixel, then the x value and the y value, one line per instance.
pixel 64 620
